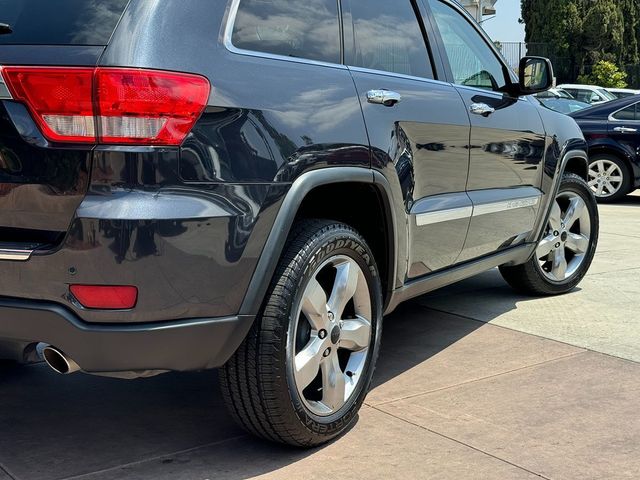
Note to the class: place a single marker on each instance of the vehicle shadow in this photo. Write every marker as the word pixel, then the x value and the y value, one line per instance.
pixel 175 425
pixel 629 201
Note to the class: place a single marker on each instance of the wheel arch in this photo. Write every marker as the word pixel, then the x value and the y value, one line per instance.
pixel 578 165
pixel 302 202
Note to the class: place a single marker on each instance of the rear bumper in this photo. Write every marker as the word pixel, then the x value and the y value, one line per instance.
pixel 140 349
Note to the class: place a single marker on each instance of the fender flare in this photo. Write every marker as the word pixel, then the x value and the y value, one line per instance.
pixel 566 157
pixel 301 187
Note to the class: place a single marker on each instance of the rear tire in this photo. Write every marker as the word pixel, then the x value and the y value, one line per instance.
pixel 609 178
pixel 568 246
pixel 303 371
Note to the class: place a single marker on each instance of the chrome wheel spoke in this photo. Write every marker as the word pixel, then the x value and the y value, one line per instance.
pixel 314 305
pixel 356 334
pixel 610 188
pixel 563 251
pixel 307 363
pixel 577 243
pixel 615 179
pixel 344 287
pixel 612 169
pixel 574 212
pixel 546 246
pixel 556 216
pixel 333 383
pixel 559 267
pixel 334 344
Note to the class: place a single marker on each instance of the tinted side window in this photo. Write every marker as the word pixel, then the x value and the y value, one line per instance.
pixel 629 113
pixel 472 62
pixel 60 22
pixel 308 29
pixel 388 37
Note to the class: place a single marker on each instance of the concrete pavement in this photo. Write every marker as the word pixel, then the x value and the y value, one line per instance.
pixel 474 382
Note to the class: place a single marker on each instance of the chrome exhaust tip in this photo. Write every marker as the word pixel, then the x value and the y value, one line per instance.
pixel 59 362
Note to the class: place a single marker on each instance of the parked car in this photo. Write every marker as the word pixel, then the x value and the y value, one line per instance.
pixel 191 185
pixel 623 92
pixel 589 94
pixel 563 105
pixel 555 93
pixel 612 131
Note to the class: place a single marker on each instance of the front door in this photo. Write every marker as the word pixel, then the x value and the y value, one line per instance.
pixel 507 138
pixel 418 127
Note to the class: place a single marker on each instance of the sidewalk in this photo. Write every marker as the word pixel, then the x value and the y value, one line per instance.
pixel 474 382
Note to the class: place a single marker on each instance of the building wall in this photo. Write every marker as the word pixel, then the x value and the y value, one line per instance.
pixel 475 7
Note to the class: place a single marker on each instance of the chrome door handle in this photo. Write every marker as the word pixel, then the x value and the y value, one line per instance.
pixel 383 97
pixel 625 130
pixel 481 109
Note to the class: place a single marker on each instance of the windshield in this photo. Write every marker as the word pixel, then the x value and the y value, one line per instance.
pixel 60 22
pixel 606 94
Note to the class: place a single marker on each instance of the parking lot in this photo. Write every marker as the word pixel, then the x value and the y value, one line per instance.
pixel 474 381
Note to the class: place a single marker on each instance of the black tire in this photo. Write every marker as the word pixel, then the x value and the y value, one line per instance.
pixel 530 279
pixel 627 180
pixel 257 382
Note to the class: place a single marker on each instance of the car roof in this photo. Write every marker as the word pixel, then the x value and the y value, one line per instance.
pixel 603 110
pixel 578 86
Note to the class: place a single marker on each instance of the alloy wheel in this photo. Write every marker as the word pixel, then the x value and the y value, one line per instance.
pixel 332 335
pixel 566 243
pixel 605 178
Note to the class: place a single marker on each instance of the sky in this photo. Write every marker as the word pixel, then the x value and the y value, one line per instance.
pixel 504 27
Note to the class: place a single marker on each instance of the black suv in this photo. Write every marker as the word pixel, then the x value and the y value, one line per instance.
pixel 253 184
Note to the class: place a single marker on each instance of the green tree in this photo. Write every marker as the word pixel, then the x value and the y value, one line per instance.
pixel 631 14
pixel 605 74
pixel 603 32
pixel 580 33
pixel 558 25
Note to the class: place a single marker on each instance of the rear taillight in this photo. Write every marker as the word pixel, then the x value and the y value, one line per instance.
pixel 110 105
pixel 60 99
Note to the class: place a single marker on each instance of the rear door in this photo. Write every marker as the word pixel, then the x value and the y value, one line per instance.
pixel 507 137
pixel 418 127
pixel 624 129
pixel 41 184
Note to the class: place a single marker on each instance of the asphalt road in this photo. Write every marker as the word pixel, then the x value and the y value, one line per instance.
pixel 474 382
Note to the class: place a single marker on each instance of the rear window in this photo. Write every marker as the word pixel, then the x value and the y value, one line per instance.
pixel 308 29
pixel 629 113
pixel 60 22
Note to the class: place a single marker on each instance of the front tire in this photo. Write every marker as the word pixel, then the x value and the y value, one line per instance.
pixel 303 371
pixel 564 255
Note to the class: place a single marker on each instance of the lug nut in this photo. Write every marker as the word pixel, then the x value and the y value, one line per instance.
pixel 327 352
pixel 556 233
pixel 322 334
pixel 558 245
pixel 331 316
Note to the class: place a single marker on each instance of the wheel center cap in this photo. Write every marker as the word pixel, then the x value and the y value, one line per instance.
pixel 335 334
pixel 564 236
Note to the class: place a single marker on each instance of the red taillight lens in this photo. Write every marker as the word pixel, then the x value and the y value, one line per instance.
pixel 110 105
pixel 105 297
pixel 148 107
pixel 60 99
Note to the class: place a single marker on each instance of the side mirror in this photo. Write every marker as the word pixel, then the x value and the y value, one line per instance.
pixel 536 75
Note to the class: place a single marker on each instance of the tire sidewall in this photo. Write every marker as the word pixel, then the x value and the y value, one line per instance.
pixel 331 243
